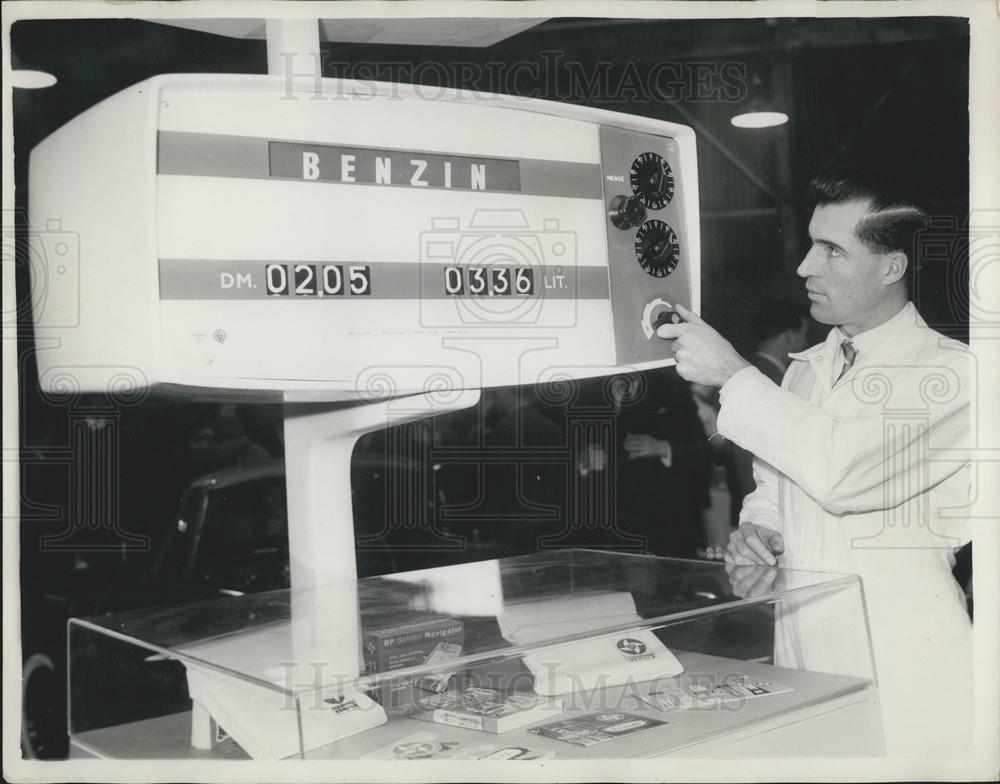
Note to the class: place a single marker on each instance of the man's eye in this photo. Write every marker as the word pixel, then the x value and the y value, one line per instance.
pixel 833 253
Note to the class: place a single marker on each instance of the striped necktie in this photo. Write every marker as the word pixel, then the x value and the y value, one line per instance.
pixel 850 354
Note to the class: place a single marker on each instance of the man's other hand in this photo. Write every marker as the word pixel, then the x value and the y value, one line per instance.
pixel 749 582
pixel 644 445
pixel 754 544
pixel 703 355
pixel 591 458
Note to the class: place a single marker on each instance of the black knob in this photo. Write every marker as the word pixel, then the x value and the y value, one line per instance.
pixel 666 317
pixel 626 212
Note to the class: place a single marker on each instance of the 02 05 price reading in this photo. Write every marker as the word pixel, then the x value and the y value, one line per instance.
pixel 311 280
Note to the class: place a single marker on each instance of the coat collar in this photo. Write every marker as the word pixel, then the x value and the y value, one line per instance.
pixel 870 344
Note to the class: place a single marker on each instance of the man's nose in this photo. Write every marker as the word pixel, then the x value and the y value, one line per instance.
pixel 806 266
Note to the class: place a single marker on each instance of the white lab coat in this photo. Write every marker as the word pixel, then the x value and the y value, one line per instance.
pixel 871 476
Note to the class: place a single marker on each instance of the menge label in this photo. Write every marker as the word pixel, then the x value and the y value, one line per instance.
pixel 367 166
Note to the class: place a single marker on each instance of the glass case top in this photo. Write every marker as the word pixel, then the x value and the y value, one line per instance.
pixel 479 611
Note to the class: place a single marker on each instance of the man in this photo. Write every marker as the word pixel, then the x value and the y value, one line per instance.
pixel 659 465
pixel 497 490
pixel 779 328
pixel 862 464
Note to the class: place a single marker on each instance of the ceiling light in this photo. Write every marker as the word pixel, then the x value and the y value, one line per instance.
pixel 27 79
pixel 760 110
pixel 759 119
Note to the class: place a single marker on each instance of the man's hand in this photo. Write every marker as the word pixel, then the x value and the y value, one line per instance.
pixel 754 544
pixel 749 582
pixel 592 458
pixel 644 445
pixel 703 355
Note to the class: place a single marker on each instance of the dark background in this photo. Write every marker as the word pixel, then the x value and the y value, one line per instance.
pixel 890 93
pixel 893 92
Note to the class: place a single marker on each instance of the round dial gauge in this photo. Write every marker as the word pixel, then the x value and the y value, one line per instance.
pixel 652 180
pixel 656 248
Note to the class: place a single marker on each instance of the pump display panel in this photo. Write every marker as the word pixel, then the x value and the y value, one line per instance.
pixel 347 239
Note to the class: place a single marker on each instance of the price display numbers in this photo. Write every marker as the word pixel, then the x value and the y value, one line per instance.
pixel 489 282
pixel 318 280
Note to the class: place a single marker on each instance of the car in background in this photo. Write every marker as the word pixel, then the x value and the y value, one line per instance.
pixel 229 536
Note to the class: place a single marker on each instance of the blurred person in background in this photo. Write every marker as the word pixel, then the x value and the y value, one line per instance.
pixel 657 463
pixel 496 483
pixel 779 328
pixel 225 440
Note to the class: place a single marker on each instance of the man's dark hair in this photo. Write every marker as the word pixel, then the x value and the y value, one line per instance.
pixel 774 317
pixel 894 217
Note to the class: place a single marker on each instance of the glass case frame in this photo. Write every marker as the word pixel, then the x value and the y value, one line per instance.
pixel 519 625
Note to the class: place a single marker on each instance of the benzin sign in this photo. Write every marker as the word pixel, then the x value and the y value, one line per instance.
pixel 410 169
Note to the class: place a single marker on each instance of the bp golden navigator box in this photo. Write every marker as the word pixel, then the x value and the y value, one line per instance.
pixel 426 643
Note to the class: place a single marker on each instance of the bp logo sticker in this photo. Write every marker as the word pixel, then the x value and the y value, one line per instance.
pixel 631 646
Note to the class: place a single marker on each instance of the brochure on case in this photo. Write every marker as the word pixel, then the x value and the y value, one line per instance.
pixel 486 710
pixel 707 695
pixel 595 728
pixel 430 745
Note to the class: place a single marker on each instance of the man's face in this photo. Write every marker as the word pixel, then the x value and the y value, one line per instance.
pixel 844 279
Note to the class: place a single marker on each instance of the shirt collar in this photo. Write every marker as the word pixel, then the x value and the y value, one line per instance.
pixel 870 339
pixel 864 342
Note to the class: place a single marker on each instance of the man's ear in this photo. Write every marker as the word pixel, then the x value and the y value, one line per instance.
pixel 895 267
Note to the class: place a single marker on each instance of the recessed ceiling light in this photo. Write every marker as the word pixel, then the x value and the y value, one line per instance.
pixel 27 79
pixel 759 119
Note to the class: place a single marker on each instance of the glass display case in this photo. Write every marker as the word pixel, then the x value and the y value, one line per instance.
pixel 565 654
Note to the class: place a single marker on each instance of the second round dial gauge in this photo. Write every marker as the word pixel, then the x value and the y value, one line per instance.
pixel 656 248
pixel 652 180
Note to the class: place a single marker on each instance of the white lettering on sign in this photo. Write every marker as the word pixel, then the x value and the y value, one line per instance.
pixel 347 168
pixel 418 170
pixel 493 282
pixel 350 165
pixel 453 280
pixel 314 280
pixel 478 171
pixel 310 166
pixel 241 280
